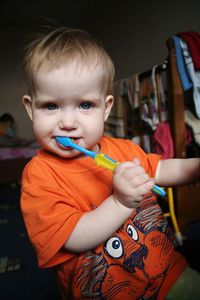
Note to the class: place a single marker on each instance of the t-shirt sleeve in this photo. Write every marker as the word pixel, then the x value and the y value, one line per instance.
pixel 50 214
pixel 149 161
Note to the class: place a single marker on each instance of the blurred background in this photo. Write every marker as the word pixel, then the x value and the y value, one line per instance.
pixel 134 33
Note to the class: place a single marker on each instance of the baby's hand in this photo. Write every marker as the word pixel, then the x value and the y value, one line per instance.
pixel 130 183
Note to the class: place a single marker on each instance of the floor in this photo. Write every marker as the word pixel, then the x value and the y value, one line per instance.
pixel 20 278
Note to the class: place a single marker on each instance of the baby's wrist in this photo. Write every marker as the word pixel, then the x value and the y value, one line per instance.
pixel 122 204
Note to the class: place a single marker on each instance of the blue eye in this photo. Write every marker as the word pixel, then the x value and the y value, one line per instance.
pixel 86 105
pixel 51 106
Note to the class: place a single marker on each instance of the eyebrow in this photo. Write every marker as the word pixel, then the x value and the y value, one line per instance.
pixel 39 101
pixel 94 99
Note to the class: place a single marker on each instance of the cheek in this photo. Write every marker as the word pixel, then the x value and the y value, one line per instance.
pixel 40 125
pixel 97 129
pixel 96 122
pixel 93 127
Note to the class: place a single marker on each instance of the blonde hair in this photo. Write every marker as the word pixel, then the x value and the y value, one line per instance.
pixel 63 46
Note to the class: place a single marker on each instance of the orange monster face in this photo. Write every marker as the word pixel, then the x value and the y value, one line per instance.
pixel 131 264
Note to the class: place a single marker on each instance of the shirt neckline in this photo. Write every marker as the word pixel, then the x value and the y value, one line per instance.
pixel 75 165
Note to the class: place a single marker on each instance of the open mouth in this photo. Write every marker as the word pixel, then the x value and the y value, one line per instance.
pixel 75 140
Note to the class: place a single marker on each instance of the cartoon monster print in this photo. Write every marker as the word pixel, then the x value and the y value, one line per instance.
pixel 107 273
pixel 131 264
pixel 157 236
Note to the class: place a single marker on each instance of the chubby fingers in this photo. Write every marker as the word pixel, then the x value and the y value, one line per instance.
pixel 134 176
pixel 131 183
pixel 136 161
pixel 129 169
pixel 143 188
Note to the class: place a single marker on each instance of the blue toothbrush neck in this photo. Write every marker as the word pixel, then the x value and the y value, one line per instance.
pixel 83 150
pixel 67 142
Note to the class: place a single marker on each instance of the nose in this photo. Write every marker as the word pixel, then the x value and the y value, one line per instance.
pixel 68 121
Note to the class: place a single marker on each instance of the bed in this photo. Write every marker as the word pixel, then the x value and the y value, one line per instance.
pixel 13 159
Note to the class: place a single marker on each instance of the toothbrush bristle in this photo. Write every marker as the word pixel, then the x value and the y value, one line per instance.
pixel 68 140
pixel 64 140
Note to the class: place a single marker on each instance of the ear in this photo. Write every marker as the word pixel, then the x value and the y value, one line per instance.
pixel 108 105
pixel 27 101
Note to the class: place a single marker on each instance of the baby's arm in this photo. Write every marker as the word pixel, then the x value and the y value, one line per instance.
pixel 130 183
pixel 174 172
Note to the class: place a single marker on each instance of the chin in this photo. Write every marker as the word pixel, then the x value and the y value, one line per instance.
pixel 66 153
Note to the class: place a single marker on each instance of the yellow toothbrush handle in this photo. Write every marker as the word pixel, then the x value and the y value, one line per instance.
pixel 109 163
pixel 105 161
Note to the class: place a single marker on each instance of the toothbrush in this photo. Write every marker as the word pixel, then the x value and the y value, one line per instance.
pixel 101 160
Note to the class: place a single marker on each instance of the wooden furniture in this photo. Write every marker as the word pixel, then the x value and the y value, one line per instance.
pixel 124 118
pixel 187 198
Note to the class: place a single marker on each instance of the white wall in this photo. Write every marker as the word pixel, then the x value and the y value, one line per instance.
pixel 133 32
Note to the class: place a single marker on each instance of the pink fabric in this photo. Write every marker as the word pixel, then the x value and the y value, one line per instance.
pixel 18 152
pixel 188 135
pixel 192 39
pixel 163 142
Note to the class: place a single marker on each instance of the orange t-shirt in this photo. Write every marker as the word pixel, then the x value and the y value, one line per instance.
pixel 135 262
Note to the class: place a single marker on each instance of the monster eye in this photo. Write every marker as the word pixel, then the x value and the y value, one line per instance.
pixel 132 232
pixel 113 247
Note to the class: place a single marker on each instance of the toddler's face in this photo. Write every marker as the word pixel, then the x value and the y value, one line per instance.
pixel 69 101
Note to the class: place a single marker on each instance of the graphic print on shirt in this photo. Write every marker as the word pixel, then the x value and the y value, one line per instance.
pixel 131 264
